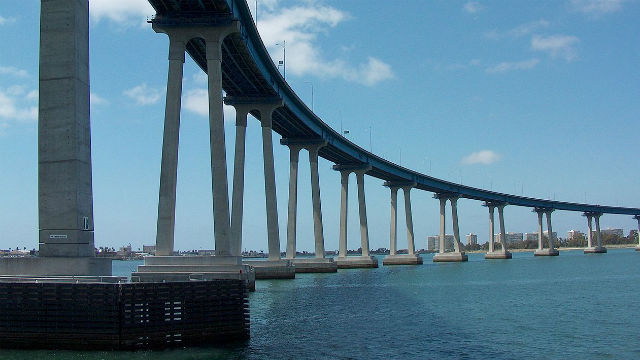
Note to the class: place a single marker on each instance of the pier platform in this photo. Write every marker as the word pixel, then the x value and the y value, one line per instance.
pixel 356 262
pixel 402 259
pixel 498 255
pixel 595 250
pixel 185 268
pixel 546 252
pixel 274 269
pixel 63 313
pixel 450 257
pixel 315 265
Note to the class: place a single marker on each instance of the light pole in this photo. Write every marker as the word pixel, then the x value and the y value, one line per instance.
pixel 310 83
pixel 284 58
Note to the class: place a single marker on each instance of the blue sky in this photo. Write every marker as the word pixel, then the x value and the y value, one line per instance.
pixel 535 98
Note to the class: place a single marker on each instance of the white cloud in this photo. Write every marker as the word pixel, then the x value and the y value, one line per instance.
pixel 485 157
pixel 510 66
pixel 97 100
pixel 124 12
pixel 518 31
pixel 13 71
pixel 16 104
pixel 4 20
pixel 197 101
pixel 143 94
pixel 299 27
pixel 562 46
pixel 472 7
pixel 597 7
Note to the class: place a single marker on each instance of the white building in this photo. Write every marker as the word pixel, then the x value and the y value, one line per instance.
pixel 472 239
pixel 433 242
pixel 574 233
pixel 511 237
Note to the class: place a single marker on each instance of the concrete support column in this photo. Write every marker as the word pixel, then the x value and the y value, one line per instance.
pixel 294 154
pixel 237 203
pixel 221 220
pixel 362 207
pixel 456 230
pixel 344 198
pixel 315 197
pixel 393 232
pixel 270 186
pixel 598 235
pixel 589 235
pixel 409 220
pixel 540 240
pixel 503 234
pixel 492 228
pixel 637 217
pixel 443 204
pixel 550 230
pixel 169 167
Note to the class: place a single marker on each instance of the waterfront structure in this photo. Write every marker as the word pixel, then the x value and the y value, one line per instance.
pixel 511 237
pixel 433 242
pixel 503 253
pixel 598 248
pixel 223 41
pixel 65 195
pixel 472 239
pixel 572 234
pixel 410 258
pixel 541 251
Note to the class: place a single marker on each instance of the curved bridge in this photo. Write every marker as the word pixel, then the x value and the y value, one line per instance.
pixel 248 71
pixel 221 37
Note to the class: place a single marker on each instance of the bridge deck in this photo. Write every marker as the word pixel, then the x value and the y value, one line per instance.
pixel 248 71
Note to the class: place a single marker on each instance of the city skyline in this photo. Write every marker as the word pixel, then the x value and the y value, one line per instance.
pixel 564 77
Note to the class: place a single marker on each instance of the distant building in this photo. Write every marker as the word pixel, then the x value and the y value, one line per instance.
pixel 511 237
pixel 149 249
pixel 433 242
pixel 574 234
pixel 472 239
pixel 534 236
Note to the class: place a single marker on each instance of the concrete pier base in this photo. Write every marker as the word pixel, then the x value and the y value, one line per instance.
pixel 595 250
pixel 450 257
pixel 356 262
pixel 402 260
pixel 498 255
pixel 638 248
pixel 50 266
pixel 276 269
pixel 315 265
pixel 546 252
pixel 185 268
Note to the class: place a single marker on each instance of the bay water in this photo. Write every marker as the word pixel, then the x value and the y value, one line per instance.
pixel 573 306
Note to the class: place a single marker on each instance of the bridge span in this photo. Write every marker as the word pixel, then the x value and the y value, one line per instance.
pixel 221 37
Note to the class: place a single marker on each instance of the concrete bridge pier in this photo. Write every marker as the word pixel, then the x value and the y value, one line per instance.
pixel 502 253
pixel 457 255
pixel 364 260
pixel 637 217
pixel 411 258
pixel 541 251
pixel 226 263
pixel 320 263
pixel 598 249
pixel 274 267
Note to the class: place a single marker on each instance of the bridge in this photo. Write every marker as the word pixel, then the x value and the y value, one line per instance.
pixel 220 35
